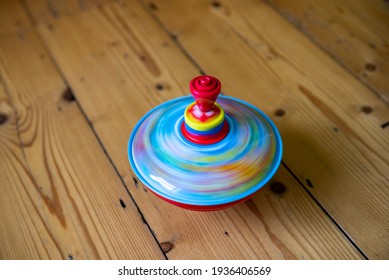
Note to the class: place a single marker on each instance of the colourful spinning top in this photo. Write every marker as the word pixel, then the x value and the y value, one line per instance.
pixel 205 155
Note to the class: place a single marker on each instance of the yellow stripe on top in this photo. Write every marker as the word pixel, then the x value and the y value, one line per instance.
pixel 196 124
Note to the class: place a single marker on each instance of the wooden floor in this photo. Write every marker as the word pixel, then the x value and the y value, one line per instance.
pixel 76 76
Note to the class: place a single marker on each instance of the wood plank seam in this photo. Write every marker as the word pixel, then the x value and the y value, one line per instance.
pixel 117 173
pixel 173 36
pixel 299 27
pixel 68 97
pixel 55 63
pixel 340 228
pixel 69 89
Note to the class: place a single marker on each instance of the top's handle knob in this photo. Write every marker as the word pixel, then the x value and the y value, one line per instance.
pixel 205 90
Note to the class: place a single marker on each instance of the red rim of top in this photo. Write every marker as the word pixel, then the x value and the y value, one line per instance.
pixel 195 207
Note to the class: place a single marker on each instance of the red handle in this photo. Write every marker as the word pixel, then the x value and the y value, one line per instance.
pixel 205 90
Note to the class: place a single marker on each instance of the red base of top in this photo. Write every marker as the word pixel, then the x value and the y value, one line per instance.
pixel 205 139
pixel 194 207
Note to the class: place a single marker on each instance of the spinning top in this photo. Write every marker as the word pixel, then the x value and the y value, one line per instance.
pixel 202 154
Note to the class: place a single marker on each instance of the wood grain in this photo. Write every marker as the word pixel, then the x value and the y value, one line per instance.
pixel 60 197
pixel 332 143
pixel 16 23
pixel 106 57
pixel 355 33
pixel 59 8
